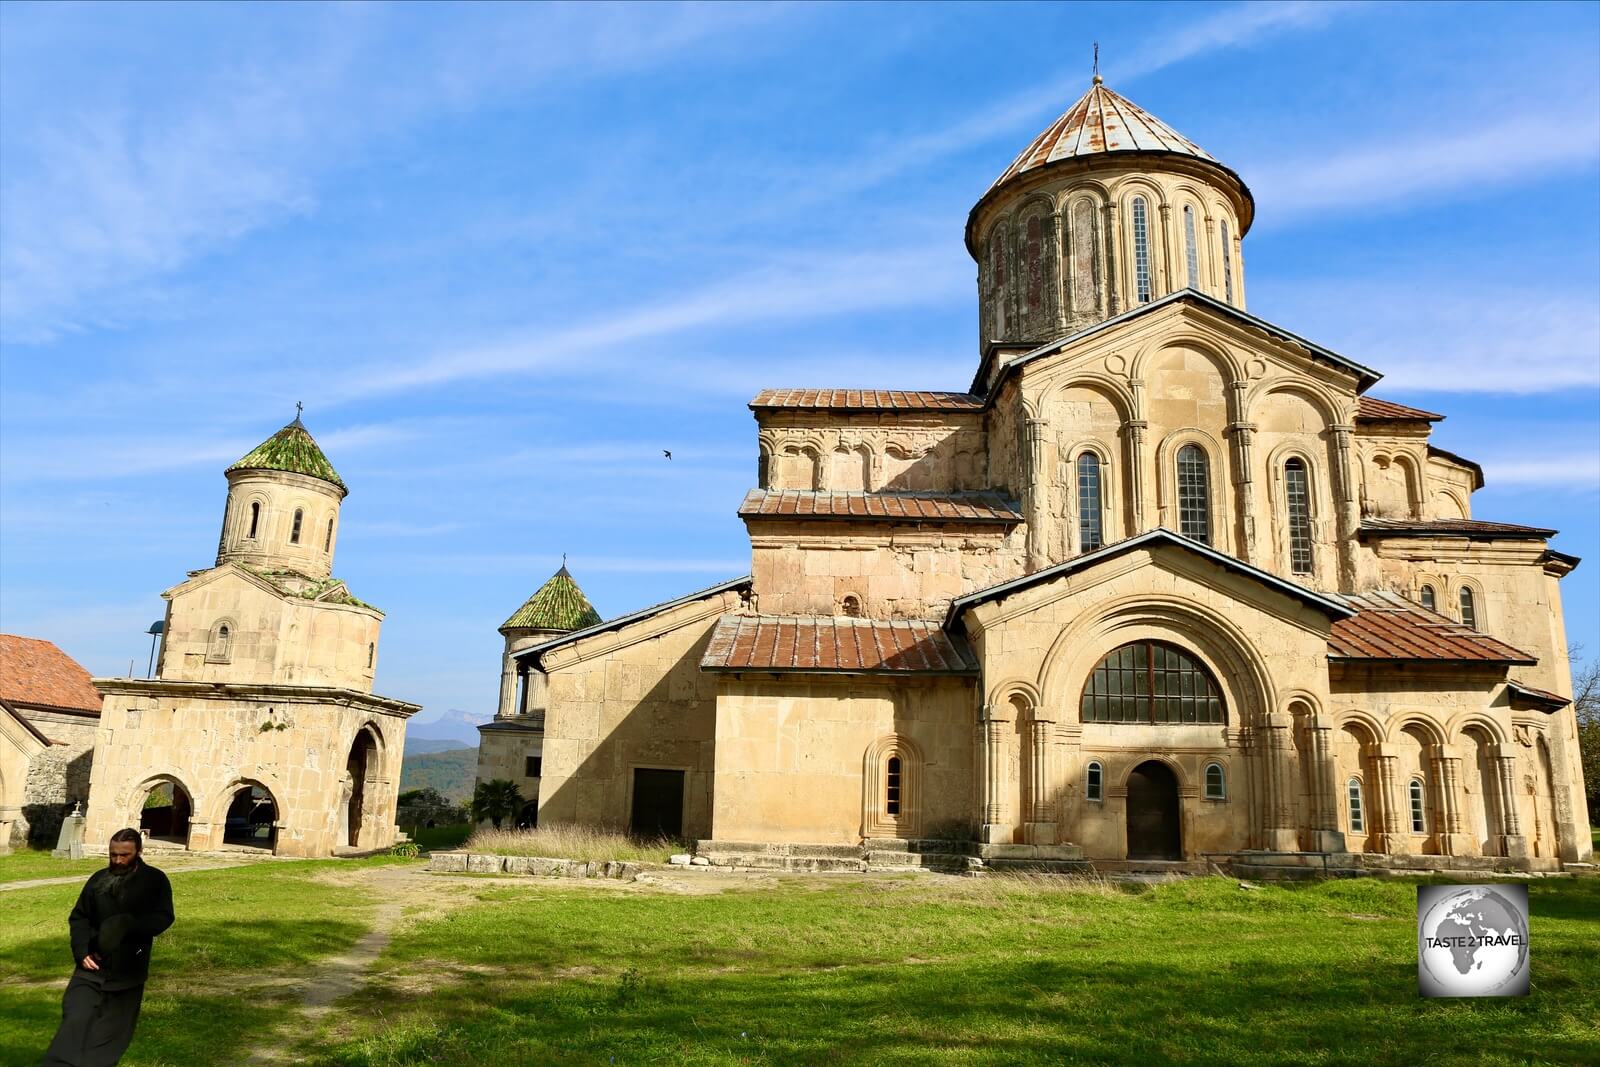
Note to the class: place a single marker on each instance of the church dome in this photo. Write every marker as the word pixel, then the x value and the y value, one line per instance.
pixel 291 449
pixel 557 605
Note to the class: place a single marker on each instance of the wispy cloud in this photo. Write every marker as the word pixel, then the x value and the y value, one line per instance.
pixel 1577 471
pixel 1236 26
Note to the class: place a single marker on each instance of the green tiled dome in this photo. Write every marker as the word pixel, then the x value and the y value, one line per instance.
pixel 291 449
pixel 558 605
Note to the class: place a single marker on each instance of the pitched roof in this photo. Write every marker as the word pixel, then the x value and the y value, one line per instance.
pixel 558 604
pixel 1386 626
pixel 291 449
pixel 1372 409
pixel 825 644
pixel 1475 529
pixel 983 507
pixel 533 652
pixel 864 400
pixel 1541 699
pixel 35 673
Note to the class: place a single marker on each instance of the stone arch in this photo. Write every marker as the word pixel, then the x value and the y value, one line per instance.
pixel 1456 729
pixel 249 813
pixel 1005 690
pixel 259 518
pixel 850 469
pixel 1128 762
pixel 1430 730
pixel 1189 196
pixel 1322 400
pixel 800 463
pixel 1483 814
pixel 1448 504
pixel 359 792
pixel 997 283
pixel 170 822
pixel 1038 266
pixel 1480 603
pixel 1147 799
pixel 891 801
pixel 1219 485
pixel 220 638
pixel 1083 244
pixel 1126 190
pixel 1186 338
pixel 1544 835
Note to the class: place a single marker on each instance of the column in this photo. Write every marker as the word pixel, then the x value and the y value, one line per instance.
pixel 1166 253
pixel 1326 835
pixel 1447 783
pixel 1512 842
pixel 1038 502
pixel 508 684
pixel 1347 505
pixel 1242 434
pixel 1041 828
pixel 1278 799
pixel 992 776
pixel 1113 290
pixel 1392 839
pixel 1138 496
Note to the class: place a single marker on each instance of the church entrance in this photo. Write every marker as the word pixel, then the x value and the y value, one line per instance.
pixel 657 803
pixel 164 813
pixel 359 769
pixel 1153 821
pixel 250 818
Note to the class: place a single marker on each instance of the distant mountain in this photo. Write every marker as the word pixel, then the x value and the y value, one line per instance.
pixel 452 724
pixel 451 772
pixel 421 746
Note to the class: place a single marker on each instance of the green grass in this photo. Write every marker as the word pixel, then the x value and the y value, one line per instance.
pixel 441 837
pixel 233 925
pixel 989 972
pixel 24 864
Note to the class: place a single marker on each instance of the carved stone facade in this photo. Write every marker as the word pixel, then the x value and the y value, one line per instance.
pixel 1164 581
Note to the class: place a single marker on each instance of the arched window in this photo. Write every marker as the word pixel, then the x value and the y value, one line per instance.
pixel 255 518
pixel 1227 262
pixel 1141 249
pixel 891 787
pixel 1216 784
pixel 1297 492
pixel 1151 682
pixel 294 529
pixel 1358 823
pixel 1428 598
pixel 1094 782
pixel 219 649
pixel 1469 609
pixel 1194 494
pixel 997 277
pixel 1090 531
pixel 372 650
pixel 851 607
pixel 1191 251
pixel 327 539
pixel 1417 825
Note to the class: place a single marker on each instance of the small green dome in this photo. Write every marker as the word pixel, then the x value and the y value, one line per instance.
pixel 558 605
pixel 291 449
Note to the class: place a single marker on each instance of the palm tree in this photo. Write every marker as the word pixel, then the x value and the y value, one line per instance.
pixel 495 800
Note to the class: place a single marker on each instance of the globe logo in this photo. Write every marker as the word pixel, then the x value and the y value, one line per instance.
pixel 1472 941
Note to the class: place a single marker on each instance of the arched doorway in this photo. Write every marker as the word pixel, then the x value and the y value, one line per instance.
pixel 359 771
pixel 250 819
pixel 1154 821
pixel 164 811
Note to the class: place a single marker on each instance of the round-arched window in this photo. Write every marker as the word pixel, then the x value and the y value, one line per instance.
pixel 1151 682
pixel 1094 782
pixel 1216 784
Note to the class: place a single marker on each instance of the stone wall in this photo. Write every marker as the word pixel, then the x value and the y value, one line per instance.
pixel 877 452
pixel 58 776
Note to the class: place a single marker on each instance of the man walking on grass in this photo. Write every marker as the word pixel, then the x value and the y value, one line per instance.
pixel 120 910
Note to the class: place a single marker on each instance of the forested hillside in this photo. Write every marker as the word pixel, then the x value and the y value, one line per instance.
pixel 451 773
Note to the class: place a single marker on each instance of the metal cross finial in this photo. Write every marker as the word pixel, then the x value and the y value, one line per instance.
pixel 298 408
pixel 1097 78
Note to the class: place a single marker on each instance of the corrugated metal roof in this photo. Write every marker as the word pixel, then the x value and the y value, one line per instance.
pixel 1476 529
pixel 36 673
pixel 865 400
pixel 1372 409
pixel 1101 121
pixel 1386 626
pixel 1539 698
pixel 984 507
pixel 291 449
pixel 557 605
pixel 825 644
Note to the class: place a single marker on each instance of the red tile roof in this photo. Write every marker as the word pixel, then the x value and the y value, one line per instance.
pixel 865 400
pixel 1371 409
pixel 35 673
pixel 837 645
pixel 985 507
pixel 1387 626
pixel 1473 528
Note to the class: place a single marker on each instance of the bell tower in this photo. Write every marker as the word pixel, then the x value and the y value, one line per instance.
pixel 283 505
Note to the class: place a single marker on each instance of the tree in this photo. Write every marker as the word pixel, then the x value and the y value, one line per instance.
pixel 1586 705
pixel 496 801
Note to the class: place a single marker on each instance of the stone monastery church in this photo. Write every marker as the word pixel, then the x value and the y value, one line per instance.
pixel 1164 582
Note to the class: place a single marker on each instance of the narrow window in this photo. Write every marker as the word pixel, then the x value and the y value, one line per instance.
pixel 1216 785
pixel 1090 531
pixel 851 608
pixel 1417 826
pixel 1299 499
pixel 221 646
pixel 1227 262
pixel 532 765
pixel 1092 783
pixel 1141 249
pixel 763 465
pixel 1190 250
pixel 372 650
pixel 1469 610
pixel 1194 494
pixel 891 800
pixel 1358 824
pixel 294 530
pixel 1428 600
pixel 327 539
pixel 255 518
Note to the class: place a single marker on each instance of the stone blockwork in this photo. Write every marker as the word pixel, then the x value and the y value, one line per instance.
pixel 58 777
pixel 531 866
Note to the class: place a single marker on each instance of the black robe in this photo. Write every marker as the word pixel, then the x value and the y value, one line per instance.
pixel 115 920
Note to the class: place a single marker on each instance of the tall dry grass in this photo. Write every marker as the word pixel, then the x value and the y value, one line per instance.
pixel 573 843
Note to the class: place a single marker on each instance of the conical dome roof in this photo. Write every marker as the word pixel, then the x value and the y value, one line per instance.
pixel 558 605
pixel 291 449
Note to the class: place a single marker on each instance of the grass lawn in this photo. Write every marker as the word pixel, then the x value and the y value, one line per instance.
pixel 441 837
pixel 235 927
pixel 957 972
pixel 27 863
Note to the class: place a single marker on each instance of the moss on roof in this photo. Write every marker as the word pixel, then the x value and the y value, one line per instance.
pixel 558 605
pixel 294 450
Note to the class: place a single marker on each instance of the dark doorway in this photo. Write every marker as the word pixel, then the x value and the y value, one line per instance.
pixel 164 814
pixel 657 803
pixel 1153 820
pixel 249 821
pixel 359 769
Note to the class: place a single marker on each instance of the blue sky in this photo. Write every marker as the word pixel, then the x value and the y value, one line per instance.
pixel 506 255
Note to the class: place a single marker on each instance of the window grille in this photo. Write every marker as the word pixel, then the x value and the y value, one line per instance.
pixel 1093 784
pixel 1227 262
pixel 1428 598
pixel 532 766
pixel 1190 250
pixel 1090 529
pixel 1358 824
pixel 1194 494
pixel 891 800
pixel 1417 826
pixel 1298 493
pixel 1469 610
pixel 1151 682
pixel 1141 249
pixel 1216 784
pixel 294 530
